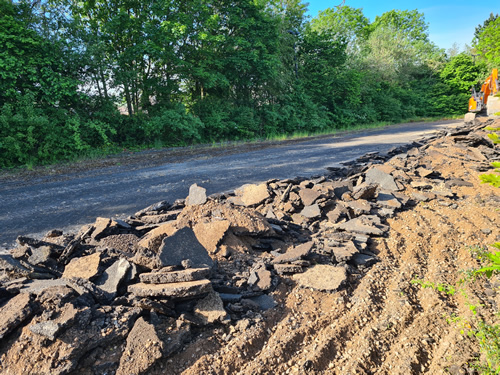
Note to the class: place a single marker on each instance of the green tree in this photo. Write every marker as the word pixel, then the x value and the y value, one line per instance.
pixel 343 23
pixel 451 93
pixel 31 62
pixel 488 43
pixel 399 47
pixel 480 28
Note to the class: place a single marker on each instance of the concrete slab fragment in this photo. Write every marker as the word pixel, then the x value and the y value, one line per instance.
pixel 308 196
pixel 143 349
pixel 252 195
pixel 285 268
pixel 152 240
pixel 311 212
pixel 363 225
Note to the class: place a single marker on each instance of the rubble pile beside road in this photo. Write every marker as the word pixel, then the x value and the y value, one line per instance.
pixel 120 296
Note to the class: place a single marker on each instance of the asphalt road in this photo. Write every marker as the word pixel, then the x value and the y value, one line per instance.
pixel 36 206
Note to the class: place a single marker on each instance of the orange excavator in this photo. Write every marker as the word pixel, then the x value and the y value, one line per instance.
pixel 490 87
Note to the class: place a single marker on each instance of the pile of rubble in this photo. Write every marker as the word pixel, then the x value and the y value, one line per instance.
pixel 122 294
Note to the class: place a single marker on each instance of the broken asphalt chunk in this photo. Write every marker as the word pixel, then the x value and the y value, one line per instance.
pixel 296 253
pixel 15 312
pixel 191 274
pixel 197 195
pixel 175 290
pixel 322 277
pixel 183 245
pixel 367 224
pixel 385 180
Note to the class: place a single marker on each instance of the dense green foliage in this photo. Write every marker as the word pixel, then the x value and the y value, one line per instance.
pixel 488 43
pixel 80 76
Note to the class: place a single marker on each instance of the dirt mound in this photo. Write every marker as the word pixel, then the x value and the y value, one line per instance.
pixel 288 277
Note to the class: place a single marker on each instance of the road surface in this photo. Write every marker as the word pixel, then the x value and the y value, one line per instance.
pixel 35 206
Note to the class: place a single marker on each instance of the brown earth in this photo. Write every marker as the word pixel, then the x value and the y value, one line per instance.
pixel 379 323
pixel 382 323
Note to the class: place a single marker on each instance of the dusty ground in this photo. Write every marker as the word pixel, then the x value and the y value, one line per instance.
pixel 383 324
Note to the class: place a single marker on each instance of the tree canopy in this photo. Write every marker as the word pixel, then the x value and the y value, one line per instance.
pixel 85 76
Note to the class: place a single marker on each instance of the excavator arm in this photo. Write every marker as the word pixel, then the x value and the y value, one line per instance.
pixel 479 100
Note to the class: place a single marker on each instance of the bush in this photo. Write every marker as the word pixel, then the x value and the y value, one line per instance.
pixel 173 127
pixel 30 136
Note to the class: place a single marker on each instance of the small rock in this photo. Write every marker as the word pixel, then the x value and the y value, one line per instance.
pixel 425 173
pixel 365 191
pixel 197 195
pixel 359 207
pixel 261 279
pixel 457 182
pixel 421 185
pixel 423 197
pixel 364 260
pixel 230 297
pixel 54 233
pixel 47 329
pixel 344 252
pixel 341 187
pixel 265 302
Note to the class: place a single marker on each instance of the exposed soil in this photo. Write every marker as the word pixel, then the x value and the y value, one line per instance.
pixel 382 324
pixel 379 323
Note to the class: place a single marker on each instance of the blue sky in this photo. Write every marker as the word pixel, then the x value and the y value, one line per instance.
pixel 449 21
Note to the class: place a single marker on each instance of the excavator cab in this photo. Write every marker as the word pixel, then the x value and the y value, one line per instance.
pixel 479 100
